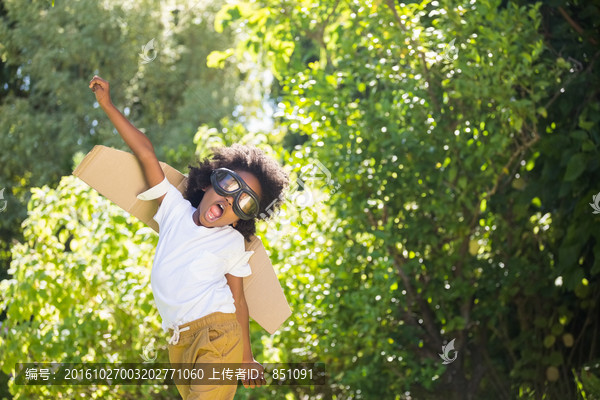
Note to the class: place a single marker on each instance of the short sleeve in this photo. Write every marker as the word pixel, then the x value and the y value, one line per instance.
pixel 172 206
pixel 155 191
pixel 239 266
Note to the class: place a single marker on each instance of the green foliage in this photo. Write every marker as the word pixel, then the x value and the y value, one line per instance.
pixel 49 53
pixel 80 291
pixel 455 148
pixel 464 181
pixel 588 382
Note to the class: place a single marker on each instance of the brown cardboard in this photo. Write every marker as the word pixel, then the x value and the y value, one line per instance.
pixel 118 176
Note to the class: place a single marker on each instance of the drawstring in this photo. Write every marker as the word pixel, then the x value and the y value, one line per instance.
pixel 176 331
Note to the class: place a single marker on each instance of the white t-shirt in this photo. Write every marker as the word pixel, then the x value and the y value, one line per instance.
pixel 188 275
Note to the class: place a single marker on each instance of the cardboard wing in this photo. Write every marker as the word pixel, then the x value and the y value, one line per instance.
pixel 118 176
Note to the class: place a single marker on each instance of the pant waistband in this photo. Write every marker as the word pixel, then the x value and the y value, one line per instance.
pixel 189 328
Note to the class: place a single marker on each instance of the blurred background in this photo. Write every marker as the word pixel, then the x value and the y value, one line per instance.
pixel 441 234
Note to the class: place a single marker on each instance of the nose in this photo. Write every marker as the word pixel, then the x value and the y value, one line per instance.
pixel 229 200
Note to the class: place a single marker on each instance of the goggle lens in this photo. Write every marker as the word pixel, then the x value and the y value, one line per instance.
pixel 227 182
pixel 247 204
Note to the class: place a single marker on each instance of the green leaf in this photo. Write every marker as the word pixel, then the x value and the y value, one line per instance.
pixel 549 341
pixel 575 167
pixel 216 59
pixel 542 111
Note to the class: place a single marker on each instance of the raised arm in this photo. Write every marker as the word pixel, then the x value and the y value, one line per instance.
pixel 135 139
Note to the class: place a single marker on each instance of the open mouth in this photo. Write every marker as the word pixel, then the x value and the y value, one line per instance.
pixel 215 212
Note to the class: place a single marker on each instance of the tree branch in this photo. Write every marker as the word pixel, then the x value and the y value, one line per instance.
pixel 428 317
pixel 575 25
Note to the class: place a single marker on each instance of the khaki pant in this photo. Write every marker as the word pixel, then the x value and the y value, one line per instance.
pixel 215 338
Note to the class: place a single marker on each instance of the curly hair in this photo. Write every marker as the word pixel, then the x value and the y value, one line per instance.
pixel 273 180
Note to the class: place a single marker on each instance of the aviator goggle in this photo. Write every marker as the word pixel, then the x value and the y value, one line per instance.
pixel 228 183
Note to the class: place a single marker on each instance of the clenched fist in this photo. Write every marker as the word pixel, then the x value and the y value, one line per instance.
pixel 100 87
